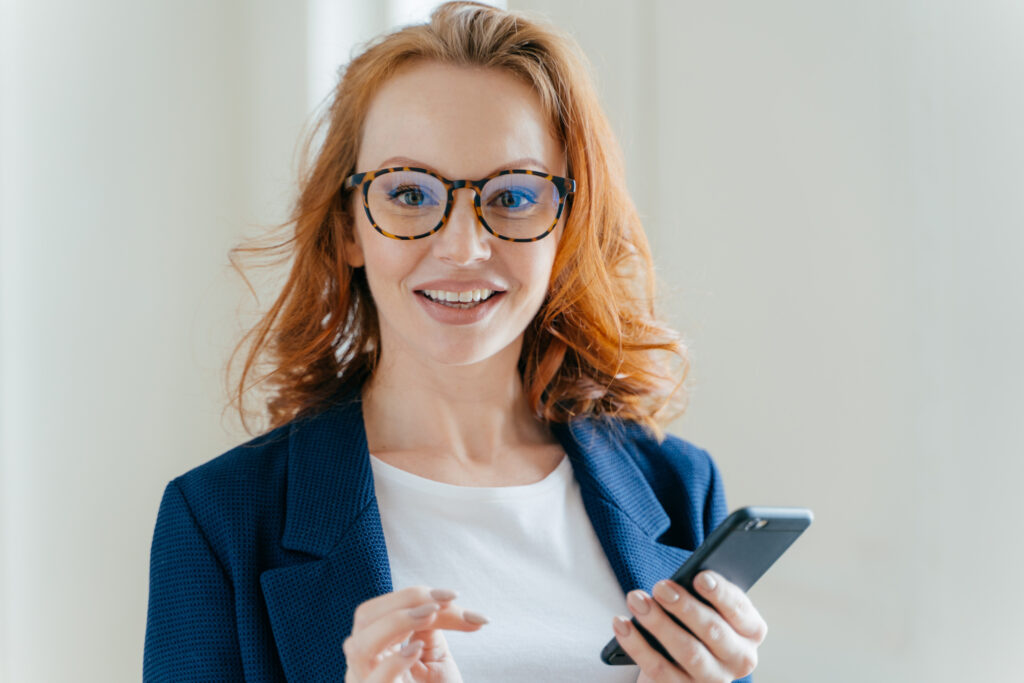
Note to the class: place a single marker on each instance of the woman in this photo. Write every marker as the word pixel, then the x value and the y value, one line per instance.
pixel 466 379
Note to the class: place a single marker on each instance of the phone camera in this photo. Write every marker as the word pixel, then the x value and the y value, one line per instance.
pixel 755 524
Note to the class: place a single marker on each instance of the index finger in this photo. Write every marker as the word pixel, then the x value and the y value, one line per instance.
pixel 413 596
pixel 733 604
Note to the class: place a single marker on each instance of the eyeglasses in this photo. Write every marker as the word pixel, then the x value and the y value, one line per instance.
pixel 516 205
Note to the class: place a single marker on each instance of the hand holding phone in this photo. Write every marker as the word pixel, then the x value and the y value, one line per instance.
pixel 740 550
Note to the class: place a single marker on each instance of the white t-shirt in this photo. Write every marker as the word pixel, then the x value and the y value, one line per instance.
pixel 526 557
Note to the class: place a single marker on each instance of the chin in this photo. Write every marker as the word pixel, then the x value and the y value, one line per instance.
pixel 451 350
pixel 462 355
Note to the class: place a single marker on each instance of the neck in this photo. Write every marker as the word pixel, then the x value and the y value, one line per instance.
pixel 471 413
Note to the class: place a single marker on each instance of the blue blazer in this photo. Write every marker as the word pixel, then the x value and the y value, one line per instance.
pixel 260 556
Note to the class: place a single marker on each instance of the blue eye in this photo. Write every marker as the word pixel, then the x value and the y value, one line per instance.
pixel 411 196
pixel 513 198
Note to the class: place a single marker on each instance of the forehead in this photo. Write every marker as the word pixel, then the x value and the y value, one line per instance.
pixel 463 122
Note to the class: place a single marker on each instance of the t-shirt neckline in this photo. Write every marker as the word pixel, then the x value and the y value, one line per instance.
pixel 397 475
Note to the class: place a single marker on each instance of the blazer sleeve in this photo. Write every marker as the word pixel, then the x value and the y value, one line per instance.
pixel 191 631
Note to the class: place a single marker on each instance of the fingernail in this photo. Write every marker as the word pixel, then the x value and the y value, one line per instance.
pixel 664 592
pixel 638 602
pixel 412 648
pixel 621 626
pixel 443 594
pixel 708 581
pixel 424 610
pixel 475 617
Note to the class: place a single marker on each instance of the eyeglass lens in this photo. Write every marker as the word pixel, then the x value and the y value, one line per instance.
pixel 410 203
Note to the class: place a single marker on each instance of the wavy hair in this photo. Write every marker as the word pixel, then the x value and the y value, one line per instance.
pixel 595 347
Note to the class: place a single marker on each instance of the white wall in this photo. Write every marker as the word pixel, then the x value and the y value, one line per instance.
pixel 139 142
pixel 835 192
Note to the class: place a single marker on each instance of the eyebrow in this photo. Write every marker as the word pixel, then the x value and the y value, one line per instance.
pixel 515 163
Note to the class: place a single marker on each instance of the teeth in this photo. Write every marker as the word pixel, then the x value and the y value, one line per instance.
pixel 459 297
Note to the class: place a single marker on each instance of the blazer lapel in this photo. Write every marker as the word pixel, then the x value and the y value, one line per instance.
pixel 331 514
pixel 625 513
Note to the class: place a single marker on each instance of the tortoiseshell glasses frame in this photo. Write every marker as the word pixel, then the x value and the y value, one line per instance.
pixel 564 186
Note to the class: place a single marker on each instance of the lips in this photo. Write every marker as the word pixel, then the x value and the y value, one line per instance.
pixel 459 301
pixel 457 312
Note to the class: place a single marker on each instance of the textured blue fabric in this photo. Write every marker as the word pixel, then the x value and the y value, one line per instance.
pixel 260 556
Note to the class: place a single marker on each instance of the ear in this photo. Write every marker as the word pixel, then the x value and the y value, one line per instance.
pixel 351 246
pixel 353 251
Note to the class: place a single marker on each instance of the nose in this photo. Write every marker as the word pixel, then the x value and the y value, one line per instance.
pixel 464 240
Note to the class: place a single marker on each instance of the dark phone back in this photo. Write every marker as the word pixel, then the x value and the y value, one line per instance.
pixel 746 545
pixel 742 548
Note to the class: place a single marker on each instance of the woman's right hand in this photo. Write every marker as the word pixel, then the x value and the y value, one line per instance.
pixel 380 625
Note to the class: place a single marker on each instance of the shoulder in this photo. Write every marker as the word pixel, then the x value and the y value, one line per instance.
pixel 240 472
pixel 672 456
pixel 245 492
pixel 683 477
pixel 231 497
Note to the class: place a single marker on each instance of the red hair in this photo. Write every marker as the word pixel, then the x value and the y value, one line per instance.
pixel 594 348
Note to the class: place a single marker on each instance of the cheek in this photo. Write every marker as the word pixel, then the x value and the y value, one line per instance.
pixel 383 269
pixel 389 263
pixel 539 273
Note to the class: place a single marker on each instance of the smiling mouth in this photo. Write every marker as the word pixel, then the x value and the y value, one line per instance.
pixel 462 300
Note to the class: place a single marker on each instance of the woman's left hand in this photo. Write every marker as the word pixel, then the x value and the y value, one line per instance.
pixel 724 643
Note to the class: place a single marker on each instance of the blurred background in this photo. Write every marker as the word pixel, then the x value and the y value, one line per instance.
pixel 835 196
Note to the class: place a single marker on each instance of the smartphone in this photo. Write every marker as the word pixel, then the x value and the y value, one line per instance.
pixel 741 549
